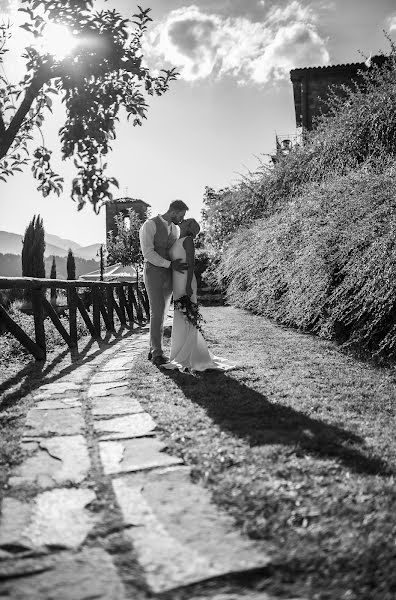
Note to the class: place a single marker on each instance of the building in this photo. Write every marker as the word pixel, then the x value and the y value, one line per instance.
pixel 121 206
pixel 311 86
pixel 284 145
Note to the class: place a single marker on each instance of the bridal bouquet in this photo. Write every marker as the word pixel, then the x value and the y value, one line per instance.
pixel 190 310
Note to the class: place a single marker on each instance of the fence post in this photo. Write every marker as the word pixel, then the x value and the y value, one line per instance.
pixel 110 305
pixel 38 314
pixel 135 302
pixel 96 309
pixel 72 304
pixel 145 301
pixel 124 305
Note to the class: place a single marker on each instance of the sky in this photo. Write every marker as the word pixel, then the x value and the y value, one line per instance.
pixel 219 118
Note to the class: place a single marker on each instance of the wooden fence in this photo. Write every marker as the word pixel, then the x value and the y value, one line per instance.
pixel 131 306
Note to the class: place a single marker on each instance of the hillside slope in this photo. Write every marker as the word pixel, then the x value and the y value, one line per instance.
pixel 11 243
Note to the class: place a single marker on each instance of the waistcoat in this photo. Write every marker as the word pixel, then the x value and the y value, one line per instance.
pixel 162 239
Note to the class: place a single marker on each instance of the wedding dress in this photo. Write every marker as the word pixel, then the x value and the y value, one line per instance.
pixel 189 350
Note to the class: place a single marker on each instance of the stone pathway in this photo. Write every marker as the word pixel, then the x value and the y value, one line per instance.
pixel 98 509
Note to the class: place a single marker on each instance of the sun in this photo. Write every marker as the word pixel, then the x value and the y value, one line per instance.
pixel 57 40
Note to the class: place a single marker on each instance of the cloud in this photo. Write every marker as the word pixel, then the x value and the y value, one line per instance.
pixel 204 44
pixel 391 21
pixel 293 46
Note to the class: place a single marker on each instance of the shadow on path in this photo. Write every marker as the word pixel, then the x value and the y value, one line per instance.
pixel 35 374
pixel 248 414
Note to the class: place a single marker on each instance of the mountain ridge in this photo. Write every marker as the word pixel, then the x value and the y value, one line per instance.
pixel 11 243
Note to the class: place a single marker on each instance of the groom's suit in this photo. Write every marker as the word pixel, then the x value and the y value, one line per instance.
pixel 156 238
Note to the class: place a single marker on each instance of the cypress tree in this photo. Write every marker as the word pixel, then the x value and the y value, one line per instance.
pixel 71 265
pixel 53 276
pixel 33 247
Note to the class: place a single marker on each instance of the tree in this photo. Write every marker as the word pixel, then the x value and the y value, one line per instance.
pixel 33 247
pixel 222 214
pixel 53 276
pixel 71 265
pixel 124 246
pixel 103 72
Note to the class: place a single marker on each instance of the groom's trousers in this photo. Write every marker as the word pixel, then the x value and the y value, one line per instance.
pixel 158 282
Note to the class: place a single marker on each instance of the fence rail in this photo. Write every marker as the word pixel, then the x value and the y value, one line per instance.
pixel 131 307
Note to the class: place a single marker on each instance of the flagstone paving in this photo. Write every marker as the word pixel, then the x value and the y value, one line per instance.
pixel 127 426
pixel 98 509
pixel 114 405
pixel 87 575
pixel 53 461
pixel 53 518
pixel 67 421
pixel 126 456
pixel 58 403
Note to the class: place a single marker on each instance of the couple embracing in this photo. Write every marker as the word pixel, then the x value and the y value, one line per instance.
pixel 167 243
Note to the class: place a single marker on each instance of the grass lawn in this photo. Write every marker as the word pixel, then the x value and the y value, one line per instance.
pixel 298 445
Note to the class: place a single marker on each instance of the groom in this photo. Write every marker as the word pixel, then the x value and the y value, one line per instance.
pixel 157 235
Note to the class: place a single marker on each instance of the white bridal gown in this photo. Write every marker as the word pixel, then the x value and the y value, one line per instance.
pixel 188 348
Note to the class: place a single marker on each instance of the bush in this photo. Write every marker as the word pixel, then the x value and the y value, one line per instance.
pixel 7 297
pixel 326 263
pixel 202 261
pixel 360 128
pixel 318 247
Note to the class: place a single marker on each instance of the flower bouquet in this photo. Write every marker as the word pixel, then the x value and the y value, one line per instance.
pixel 190 310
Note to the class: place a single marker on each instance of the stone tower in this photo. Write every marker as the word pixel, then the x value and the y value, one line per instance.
pixel 121 206
pixel 311 86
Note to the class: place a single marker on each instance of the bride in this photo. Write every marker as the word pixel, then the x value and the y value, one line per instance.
pixel 189 351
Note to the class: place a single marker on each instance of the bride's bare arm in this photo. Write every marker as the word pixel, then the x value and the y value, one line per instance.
pixel 188 245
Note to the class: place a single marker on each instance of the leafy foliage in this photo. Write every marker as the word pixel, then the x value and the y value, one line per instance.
pixel 322 255
pixel 124 245
pixel 359 129
pixel 33 247
pixel 326 263
pixel 104 72
pixel 226 210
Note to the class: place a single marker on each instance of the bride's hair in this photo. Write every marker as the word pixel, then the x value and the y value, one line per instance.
pixel 191 227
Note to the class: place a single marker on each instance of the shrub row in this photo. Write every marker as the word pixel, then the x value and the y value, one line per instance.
pixel 311 242
pixel 326 263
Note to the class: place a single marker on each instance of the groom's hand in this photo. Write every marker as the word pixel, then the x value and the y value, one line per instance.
pixel 178 265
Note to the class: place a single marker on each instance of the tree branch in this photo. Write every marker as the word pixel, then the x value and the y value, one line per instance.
pixel 7 136
pixel 2 126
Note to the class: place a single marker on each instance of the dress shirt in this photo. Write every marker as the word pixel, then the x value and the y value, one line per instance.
pixel 146 235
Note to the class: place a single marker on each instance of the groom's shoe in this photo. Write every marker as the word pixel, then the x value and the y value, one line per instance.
pixel 158 361
pixel 149 355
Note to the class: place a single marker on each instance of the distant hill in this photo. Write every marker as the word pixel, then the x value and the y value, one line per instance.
pixel 88 252
pixel 11 266
pixel 55 240
pixel 11 243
